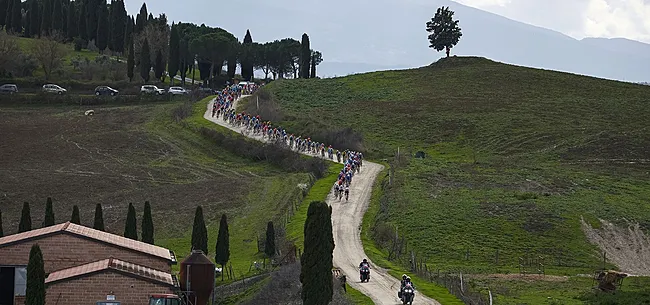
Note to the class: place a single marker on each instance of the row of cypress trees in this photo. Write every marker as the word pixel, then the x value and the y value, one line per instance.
pixel 130 230
pixel 88 20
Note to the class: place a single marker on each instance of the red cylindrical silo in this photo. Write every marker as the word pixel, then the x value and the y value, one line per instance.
pixel 197 275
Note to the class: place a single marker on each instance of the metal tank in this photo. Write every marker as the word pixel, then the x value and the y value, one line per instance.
pixel 197 276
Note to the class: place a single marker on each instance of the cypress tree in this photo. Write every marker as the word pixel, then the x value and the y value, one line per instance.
pixel 316 261
pixel 159 67
pixel 76 219
pixel 102 27
pixel 141 20
pixel 99 218
pixel 199 232
pixel 128 32
pixel 8 14
pixel 2 233
pixel 118 26
pixel 35 290
pixel 269 245
pixel 65 6
pixel 57 16
pixel 34 19
pixel 3 12
pixel 223 244
pixel 305 56
pixel 174 57
pixel 131 227
pixel 145 61
pixel 82 28
pixel 72 29
pixel 147 224
pixel 92 9
pixel 46 21
pixel 25 219
pixel 247 57
pixel 49 214
pixel 17 17
pixel 130 61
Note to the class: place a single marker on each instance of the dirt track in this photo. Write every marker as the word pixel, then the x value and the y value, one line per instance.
pixel 346 225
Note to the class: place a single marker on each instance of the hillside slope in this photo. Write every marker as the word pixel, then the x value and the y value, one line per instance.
pixel 515 158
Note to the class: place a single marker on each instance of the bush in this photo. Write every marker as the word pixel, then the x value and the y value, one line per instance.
pixel 270 152
pixel 79 44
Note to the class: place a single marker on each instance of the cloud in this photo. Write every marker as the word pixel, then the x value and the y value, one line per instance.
pixel 577 18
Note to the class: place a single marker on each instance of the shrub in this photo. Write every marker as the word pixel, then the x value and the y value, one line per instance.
pixel 270 152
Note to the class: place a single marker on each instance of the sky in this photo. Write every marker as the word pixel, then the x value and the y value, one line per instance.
pixel 577 18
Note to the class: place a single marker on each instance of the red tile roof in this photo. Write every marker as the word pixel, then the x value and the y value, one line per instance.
pixel 112 264
pixel 86 232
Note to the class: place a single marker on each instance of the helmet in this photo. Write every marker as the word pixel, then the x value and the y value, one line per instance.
pixel 404 277
pixel 408 278
pixel 365 260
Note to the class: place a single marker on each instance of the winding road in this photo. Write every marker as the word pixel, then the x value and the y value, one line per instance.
pixel 346 226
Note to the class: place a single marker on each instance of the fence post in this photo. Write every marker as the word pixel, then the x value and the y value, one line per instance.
pixel 490 294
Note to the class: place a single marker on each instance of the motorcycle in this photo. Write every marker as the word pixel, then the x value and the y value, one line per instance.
pixel 408 294
pixel 364 273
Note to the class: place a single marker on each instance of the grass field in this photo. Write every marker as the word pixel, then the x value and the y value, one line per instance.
pixel 515 158
pixel 131 154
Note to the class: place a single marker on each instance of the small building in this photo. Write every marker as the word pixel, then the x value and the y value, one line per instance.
pixel 74 249
pixel 108 279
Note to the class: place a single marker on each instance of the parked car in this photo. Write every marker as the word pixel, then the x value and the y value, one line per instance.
pixel 177 91
pixel 52 88
pixel 9 88
pixel 106 90
pixel 151 89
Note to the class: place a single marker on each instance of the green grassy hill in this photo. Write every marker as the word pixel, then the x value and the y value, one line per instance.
pixel 515 157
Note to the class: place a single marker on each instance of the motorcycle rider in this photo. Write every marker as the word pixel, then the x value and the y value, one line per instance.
pixel 364 262
pixel 405 280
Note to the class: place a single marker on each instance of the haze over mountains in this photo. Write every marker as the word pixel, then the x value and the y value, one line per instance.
pixel 366 35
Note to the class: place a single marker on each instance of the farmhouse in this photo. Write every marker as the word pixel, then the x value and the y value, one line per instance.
pixel 85 266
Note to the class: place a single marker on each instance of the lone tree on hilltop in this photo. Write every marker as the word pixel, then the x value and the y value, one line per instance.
pixel 444 30
pixel 131 227
pixel 99 218
pixel 147 224
pixel 35 290
pixel 223 244
pixel 25 219
pixel 76 219
pixel 269 246
pixel 199 232
pixel 49 213
pixel 316 261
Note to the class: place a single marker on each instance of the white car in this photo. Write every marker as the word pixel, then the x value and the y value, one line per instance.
pixel 151 89
pixel 177 91
pixel 52 88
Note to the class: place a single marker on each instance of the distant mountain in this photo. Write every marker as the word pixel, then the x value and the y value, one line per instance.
pixel 358 35
pixel 621 45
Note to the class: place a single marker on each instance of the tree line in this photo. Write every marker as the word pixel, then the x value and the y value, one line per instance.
pixel 151 44
pixel 130 230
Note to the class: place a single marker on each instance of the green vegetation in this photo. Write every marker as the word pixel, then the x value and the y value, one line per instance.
pixel 25 219
pixel 35 291
pixel 131 226
pixel 316 261
pixel 147 224
pixel 318 192
pixel 222 252
pixel 357 297
pixel 49 214
pixel 98 223
pixel 199 232
pixel 513 161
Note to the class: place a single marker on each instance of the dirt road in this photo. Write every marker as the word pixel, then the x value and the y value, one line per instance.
pixel 346 225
